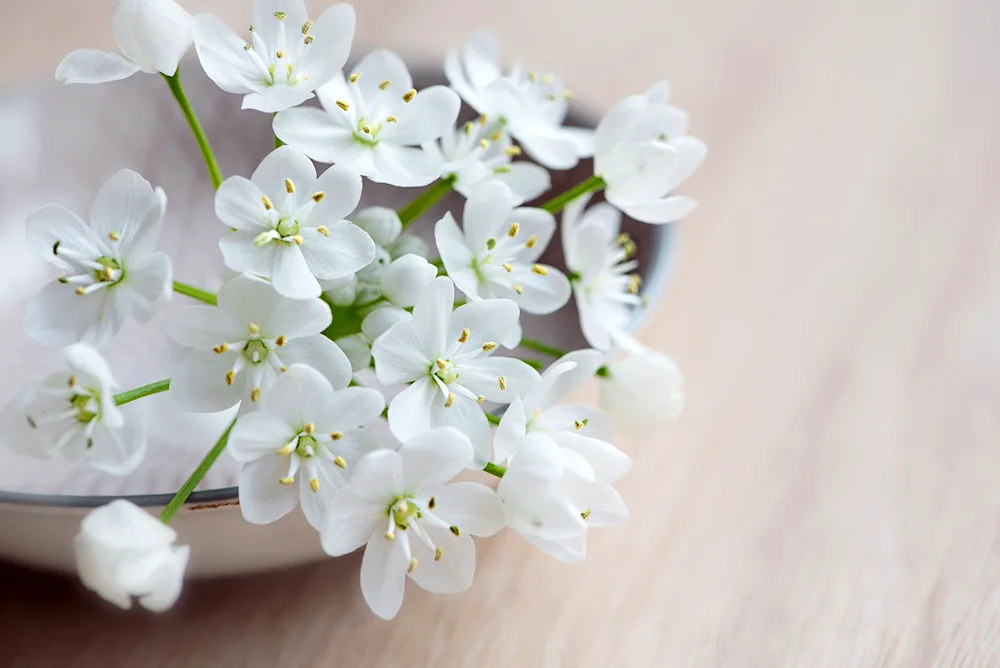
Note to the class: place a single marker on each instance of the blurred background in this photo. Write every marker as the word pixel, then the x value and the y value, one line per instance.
pixel 830 496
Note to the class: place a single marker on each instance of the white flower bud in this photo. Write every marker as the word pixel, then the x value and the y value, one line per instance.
pixel 642 389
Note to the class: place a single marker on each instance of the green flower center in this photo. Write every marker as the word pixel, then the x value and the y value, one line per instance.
pixel 307 446
pixel 109 263
pixel 403 511
pixel 255 351
pixel 288 227
pixel 79 402
pixel 445 370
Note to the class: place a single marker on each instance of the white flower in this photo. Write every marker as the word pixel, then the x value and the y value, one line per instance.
pixel 412 521
pixel 152 36
pixel 578 428
pixel 402 283
pixel 239 349
pixel 288 56
pixel 528 105
pixel 304 429
pixel 373 123
pixel 600 260
pixel 288 225
pixel 472 155
pixel 643 153
pixel 446 358
pixel 123 552
pixel 110 271
pixel 495 253
pixel 642 389
pixel 72 415
pixel 552 503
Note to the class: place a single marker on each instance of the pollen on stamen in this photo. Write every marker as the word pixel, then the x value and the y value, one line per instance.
pixel 450 401
pixel 438 553
pixel 390 535
pixel 298 239
pixel 288 480
pixel 354 77
pixel 413 565
pixel 247 46
pixel 324 230
pixel 286 450
pixel 441 364
pixel 514 229
pixel 484 144
pixel 307 26
pixel 409 95
pixel 513 151
pixel 289 186
pixel 63 279
pixel 230 377
pixel 267 202
pixel 254 328
pixel 385 84
pixel 281 16
pixel 281 340
pixel 340 462
pixel 496 136
pixel 539 269
pixel 585 514
pixel 491 243
pixel 518 289
pixel 109 274
pixel 367 129
pixel 114 236
pixel 309 39
pixel 255 394
pixel 336 436
pixel 455 530
pixel 468 128
pixel 533 75
pixel 80 291
pixel 319 197
pixel 314 484
pixel 280 54
pixel 530 243
pixel 221 348
pixel 502 169
pixel 464 336
pixel 502 381
pixel 580 424
pixel 507 267
pixel 481 399
pixel 391 119
pixel 72 380
pixel 483 118
pixel 309 428
pixel 284 369
pixel 431 502
pixel 489 346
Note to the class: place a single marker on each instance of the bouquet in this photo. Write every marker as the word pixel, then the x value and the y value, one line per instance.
pixel 320 292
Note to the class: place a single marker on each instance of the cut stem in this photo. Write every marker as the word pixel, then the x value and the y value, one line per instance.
pixel 425 200
pixel 199 474
pixel 542 347
pixel 196 293
pixel 495 469
pixel 140 392
pixel 199 134
pixel 559 202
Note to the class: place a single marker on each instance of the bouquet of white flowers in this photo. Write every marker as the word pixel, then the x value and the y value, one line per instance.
pixel 320 292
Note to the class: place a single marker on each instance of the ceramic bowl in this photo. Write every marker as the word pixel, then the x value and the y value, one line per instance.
pixel 58 144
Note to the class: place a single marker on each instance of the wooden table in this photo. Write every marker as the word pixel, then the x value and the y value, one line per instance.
pixel 831 495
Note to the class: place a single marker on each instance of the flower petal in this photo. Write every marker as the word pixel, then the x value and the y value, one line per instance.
pixel 431 316
pixel 410 410
pixel 317 494
pixel 333 34
pixel 455 254
pixel 403 166
pixel 604 503
pixel 57 316
pixel 488 321
pixel 53 224
pixel 481 377
pixel 481 57
pixel 405 279
pixel 259 435
pixel 92 66
pixel 608 462
pixel 379 66
pixel 343 192
pixel 380 321
pixel 357 349
pixel 223 57
pixel 263 499
pixel 378 477
pixel 541 293
pixel 342 251
pixel 350 521
pixel 432 458
pixel 163 30
pixel 383 575
pixel 526 180
pixel 316 133
pixel 511 431
pixel 320 353
pixel 399 355
pixel 471 506
pixel 351 408
pixel 241 254
pixel 571 549
pixel 550 147
pixel 280 164
pixel 430 114
pixel 148 285
pixel 198 384
pixel 667 210
pixel 567 378
pixel 202 327
pixel 300 395
pixel 239 204
pixel 486 213
pixel 467 416
pixel 292 276
pixel 454 571
pixel 122 204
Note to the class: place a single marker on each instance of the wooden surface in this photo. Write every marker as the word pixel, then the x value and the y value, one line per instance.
pixel 830 497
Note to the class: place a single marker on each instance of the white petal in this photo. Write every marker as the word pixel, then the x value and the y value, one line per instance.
pixel 541 294
pixel 273 99
pixel 280 164
pixel 467 416
pixel 489 320
pixel 432 458
pixel 481 376
pixel 122 525
pixel 320 353
pixel 350 521
pixel 263 499
pixel 316 504
pixel 511 431
pixel 481 58
pixel 53 224
pixel 526 180
pixel 454 571
pixel 571 549
pixel 405 279
pixel 300 395
pixel 163 31
pixel 403 166
pixel 357 349
pixel 455 254
pixel 292 276
pixel 380 321
pixel 119 452
pixel 565 416
pixel 198 385
pixel 536 223
pixel 258 435
pixel 604 503
pixel 270 26
pixel 57 316
pixel 410 410
pixel 667 210
pixel 550 147
pixel 239 204
pixel 378 477
pixel 431 317
pixel 351 408
pixel 223 57
pixel 399 356
pixel 343 192
pixel 383 575
pixel 485 214
pixel 381 223
pixel 91 66
pixel 586 362
pixel 583 138
pixel 317 134
pixel 342 251
pixel 149 285
pixel 169 581
pixel 639 173
pixel 382 65
pixel 409 244
pixel 608 462
pixel 202 327
pixel 333 34
pixel 430 114
pixel 241 254
pixel 471 506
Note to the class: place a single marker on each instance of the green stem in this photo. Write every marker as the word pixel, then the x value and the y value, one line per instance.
pixel 542 347
pixel 495 469
pixel 199 474
pixel 425 200
pixel 199 134
pixel 591 185
pixel 140 392
pixel 196 293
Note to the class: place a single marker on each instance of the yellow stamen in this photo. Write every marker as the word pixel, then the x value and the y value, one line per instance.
pixel 324 230
pixel 309 39
pixel 484 144
pixel 307 26
pixel 286 481
pixel 390 535
pixel 354 77
pixel 319 197
pixel 495 136
pixel 230 377
pixel 539 269
pixel 286 450
pixel 506 266
pixel 438 553
pixel 255 394
pixel 72 380
pixel 533 75
pixel 468 128
pixel 503 383
pixel 465 336
pixel 281 16
pixel 284 369
pixel 221 348
pixel 340 462
pixel 254 328
pixel 298 239
pixel 585 514
pixel 280 54
pixel 530 243
pixel 409 95
pixel 113 236
pixel 450 401
pixel 514 229
pixel 580 424
pixel 336 436
pixel 108 274
pixel 314 484
pixel 343 105
pixel 513 151
pixel 431 502
pixel 367 129
pixel 385 84
pixel 391 119
pixel 489 346
pixel 518 289
pixel 481 399
pixel 455 530
pixel 80 291
pixel 267 202
pixel 547 78
pixel 441 364
pixel 413 565
pixel 309 428
pixel 482 119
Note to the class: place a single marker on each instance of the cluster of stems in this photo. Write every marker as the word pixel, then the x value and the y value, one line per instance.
pixel 407 215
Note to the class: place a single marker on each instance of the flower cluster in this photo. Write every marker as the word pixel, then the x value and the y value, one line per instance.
pixel 320 291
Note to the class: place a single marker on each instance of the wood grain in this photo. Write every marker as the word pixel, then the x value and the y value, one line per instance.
pixel 830 496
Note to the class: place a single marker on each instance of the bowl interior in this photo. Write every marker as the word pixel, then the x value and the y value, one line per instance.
pixel 59 145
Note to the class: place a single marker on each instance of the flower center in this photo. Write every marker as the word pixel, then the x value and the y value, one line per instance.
pixel 307 447
pixel 403 511
pixel 445 370
pixel 255 351
pixel 287 49
pixel 288 227
pixel 110 268
pixel 85 406
pixel 367 131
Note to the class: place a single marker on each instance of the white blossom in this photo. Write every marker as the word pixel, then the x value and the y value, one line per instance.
pixel 413 522
pixel 496 252
pixel 288 226
pixel 472 155
pixel 643 152
pixel 551 498
pixel 401 285
pixel 447 360
pixel 238 349
pixel 600 260
pixel 302 445
pixel 152 36
pixel 642 389
pixel 287 57
pixel 529 105
pixel 122 552
pixel 72 415
pixel 110 271
pixel 579 428
pixel 374 122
